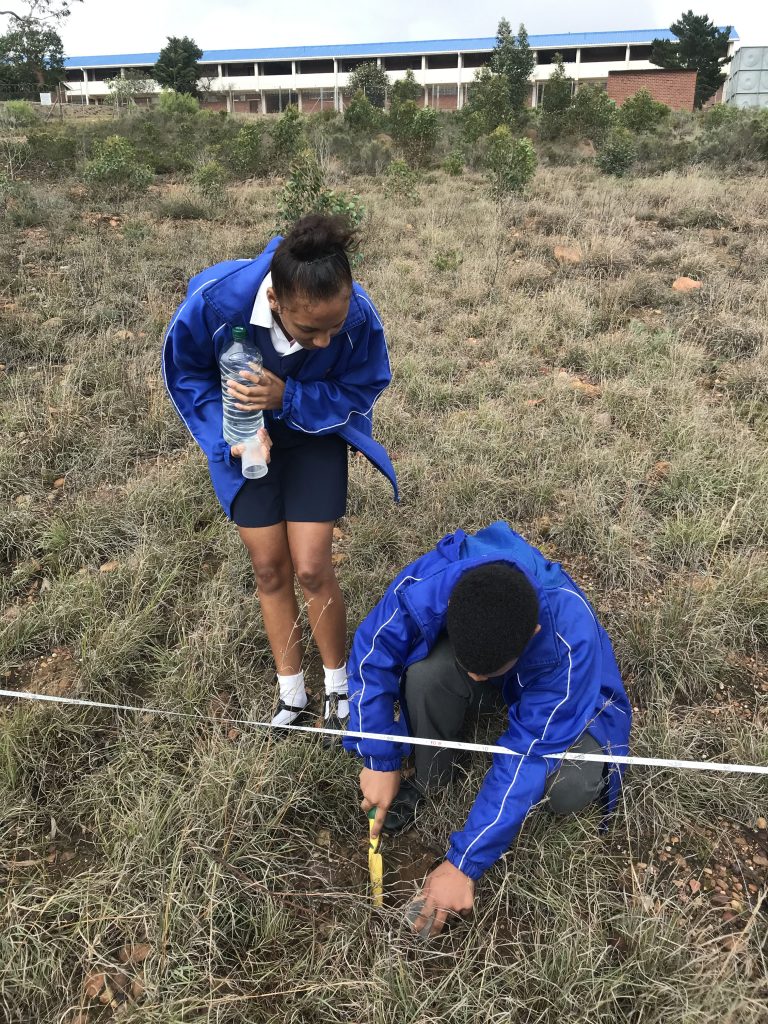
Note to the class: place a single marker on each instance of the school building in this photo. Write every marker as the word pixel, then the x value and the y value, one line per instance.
pixel 265 81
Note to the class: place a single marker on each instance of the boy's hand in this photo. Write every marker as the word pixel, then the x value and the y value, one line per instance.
pixel 265 391
pixel 379 789
pixel 446 891
pixel 266 443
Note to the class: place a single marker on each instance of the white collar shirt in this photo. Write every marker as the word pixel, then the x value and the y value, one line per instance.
pixel 262 317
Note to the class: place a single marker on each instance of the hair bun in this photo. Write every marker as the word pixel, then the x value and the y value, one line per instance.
pixel 318 235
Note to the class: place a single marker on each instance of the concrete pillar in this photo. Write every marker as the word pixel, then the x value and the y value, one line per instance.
pixel 263 101
pixel 87 96
pixel 626 57
pixel 298 96
pixel 459 88
pixel 335 84
pixel 219 69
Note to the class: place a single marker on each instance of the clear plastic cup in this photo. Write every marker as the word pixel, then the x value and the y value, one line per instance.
pixel 252 460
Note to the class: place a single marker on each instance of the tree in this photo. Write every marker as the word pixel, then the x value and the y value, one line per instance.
pixel 514 60
pixel 405 89
pixel 361 115
pixel 556 101
pixel 31 59
pixel 487 105
pixel 591 114
pixel 123 91
pixel 371 80
pixel 41 11
pixel 177 66
pixel 701 47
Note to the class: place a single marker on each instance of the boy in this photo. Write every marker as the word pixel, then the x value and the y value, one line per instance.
pixel 481 618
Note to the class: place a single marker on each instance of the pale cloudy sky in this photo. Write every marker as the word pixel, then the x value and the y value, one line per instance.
pixel 117 26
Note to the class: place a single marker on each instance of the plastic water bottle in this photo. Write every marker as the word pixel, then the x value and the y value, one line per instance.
pixel 241 426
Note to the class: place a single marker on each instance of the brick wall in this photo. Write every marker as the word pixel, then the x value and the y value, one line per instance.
pixel 675 88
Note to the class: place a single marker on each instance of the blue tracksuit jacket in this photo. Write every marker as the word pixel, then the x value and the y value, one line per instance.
pixel 565 682
pixel 333 391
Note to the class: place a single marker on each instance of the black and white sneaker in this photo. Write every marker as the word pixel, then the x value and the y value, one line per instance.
pixel 332 719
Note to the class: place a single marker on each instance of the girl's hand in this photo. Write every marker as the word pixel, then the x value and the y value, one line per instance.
pixel 266 443
pixel 264 392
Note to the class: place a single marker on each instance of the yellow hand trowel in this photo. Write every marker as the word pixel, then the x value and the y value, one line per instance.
pixel 375 863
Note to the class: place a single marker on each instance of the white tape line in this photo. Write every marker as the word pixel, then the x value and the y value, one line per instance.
pixel 484 748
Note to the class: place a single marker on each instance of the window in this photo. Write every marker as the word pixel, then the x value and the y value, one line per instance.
pixel 541 86
pixel 276 67
pixel 596 54
pixel 476 60
pixel 443 60
pixel 316 67
pixel 211 70
pixel 548 56
pixel 103 74
pixel 354 62
pixel 640 52
pixel 277 101
pixel 73 75
pixel 240 70
pixel 409 63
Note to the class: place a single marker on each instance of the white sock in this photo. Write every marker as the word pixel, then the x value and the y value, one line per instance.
pixel 293 693
pixel 336 682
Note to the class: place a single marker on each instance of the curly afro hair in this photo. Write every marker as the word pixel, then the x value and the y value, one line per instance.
pixel 492 615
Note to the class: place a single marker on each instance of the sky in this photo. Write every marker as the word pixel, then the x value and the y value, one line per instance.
pixel 136 26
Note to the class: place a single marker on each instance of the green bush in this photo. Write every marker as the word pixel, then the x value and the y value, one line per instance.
pixel 247 153
pixel 19 112
pixel 415 131
pixel 361 115
pixel 53 148
pixel 617 153
pixel 287 135
pixel 511 162
pixel 401 181
pixel 115 168
pixel 454 164
pixel 733 136
pixel 210 180
pixel 642 113
pixel 591 114
pixel 177 104
pixel 181 207
pixel 306 192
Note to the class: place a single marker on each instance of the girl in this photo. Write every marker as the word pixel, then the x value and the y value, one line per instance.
pixel 325 365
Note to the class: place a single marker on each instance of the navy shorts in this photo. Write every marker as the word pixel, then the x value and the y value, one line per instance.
pixel 306 482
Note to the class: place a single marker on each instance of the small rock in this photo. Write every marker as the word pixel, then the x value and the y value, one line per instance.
pixel 11 614
pixel 694 885
pixel 66 855
pixel 109 566
pixel 760 860
pixel 23 501
pixel 533 402
pixel 123 335
pixel 323 839
pixel 567 254
pixel 137 989
pixel 59 482
pixel 685 284
pixel 53 324
pixel 472 341
pixel 602 420
pixel 761 823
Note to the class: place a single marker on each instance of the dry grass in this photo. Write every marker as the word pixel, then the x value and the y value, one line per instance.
pixel 620 426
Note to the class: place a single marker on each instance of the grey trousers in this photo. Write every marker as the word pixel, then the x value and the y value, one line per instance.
pixel 440 699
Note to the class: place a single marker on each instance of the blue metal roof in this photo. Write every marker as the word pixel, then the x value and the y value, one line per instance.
pixel 393 49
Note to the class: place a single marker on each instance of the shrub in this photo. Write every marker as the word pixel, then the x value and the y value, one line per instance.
pixel 415 131
pixel 617 153
pixel 177 104
pixel 401 180
pixel 361 115
pixel 642 113
pixel 286 135
pixel 592 113
pixel 53 148
pixel 447 260
pixel 19 113
pixel 454 164
pixel 210 179
pixel 246 154
pixel 511 162
pixel 114 167
pixel 734 137
pixel 181 207
pixel 306 192
pixel 556 102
